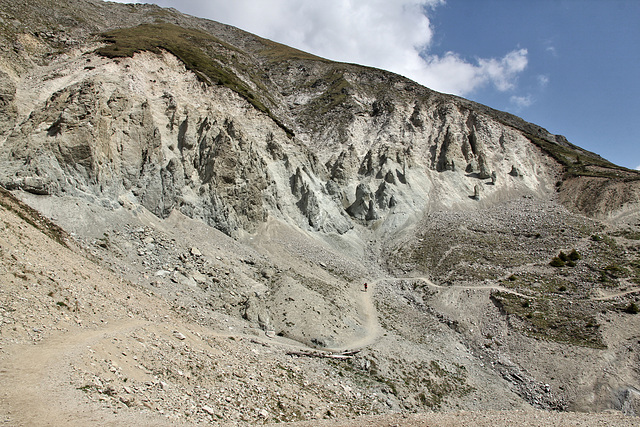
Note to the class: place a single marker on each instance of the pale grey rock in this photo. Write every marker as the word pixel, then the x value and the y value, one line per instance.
pixel 345 166
pixel 197 150
pixel 472 166
pixel 255 311
pixel 32 184
pixel 477 190
pixel 360 207
pixel 627 401
pixel 198 277
pixel 8 109
pixel 390 177
pixel 208 409
pixel 372 213
pixel 143 131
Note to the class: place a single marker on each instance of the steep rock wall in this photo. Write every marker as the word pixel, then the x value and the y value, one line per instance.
pixel 145 130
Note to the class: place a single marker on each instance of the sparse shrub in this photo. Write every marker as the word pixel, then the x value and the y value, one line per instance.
pixel 563 259
pixel 631 235
pixel 562 288
pixel 513 278
pixel 632 308
pixel 614 270
pixel 596 238
pixel 526 304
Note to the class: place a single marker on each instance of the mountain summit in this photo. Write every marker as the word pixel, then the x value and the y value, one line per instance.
pixel 181 190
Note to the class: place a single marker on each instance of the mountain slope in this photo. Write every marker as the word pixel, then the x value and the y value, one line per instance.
pixel 226 179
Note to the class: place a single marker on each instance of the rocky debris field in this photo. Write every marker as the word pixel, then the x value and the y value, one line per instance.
pixel 127 350
pixel 141 324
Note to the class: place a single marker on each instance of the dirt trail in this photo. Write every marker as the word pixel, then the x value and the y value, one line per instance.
pixel 370 316
pixel 429 283
pixel 616 295
pixel 35 379
pixel 511 291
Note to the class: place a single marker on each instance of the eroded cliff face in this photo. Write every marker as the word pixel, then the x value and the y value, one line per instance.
pixel 325 176
pixel 144 130
pixel 147 132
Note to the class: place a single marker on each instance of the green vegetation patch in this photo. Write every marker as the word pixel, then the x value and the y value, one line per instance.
pixel 628 234
pixel 553 319
pixel 612 261
pixel 442 383
pixel 336 92
pixel 578 163
pixel 200 52
pixel 481 256
pixel 541 285
pixel 632 308
pixel 280 52
pixel 490 245
pixel 563 259
pixel 430 383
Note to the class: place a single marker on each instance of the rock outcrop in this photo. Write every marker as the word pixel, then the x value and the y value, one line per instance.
pixel 175 143
pixel 321 144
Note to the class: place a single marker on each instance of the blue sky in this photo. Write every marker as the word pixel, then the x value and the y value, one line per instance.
pixel 571 66
pixel 583 70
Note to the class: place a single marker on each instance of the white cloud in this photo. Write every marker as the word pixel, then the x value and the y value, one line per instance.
pixel 638 167
pixel 521 101
pixel 543 80
pixel 503 72
pixel 395 35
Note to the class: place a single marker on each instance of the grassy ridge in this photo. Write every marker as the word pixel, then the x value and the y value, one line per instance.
pixel 199 51
pixel 279 52
pixel 579 164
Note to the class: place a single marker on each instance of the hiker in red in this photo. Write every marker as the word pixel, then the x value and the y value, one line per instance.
pixel 365 287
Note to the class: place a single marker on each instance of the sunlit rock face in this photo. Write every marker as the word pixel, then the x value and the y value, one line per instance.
pixel 147 130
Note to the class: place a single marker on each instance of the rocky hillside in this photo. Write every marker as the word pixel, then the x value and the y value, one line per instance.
pixel 216 193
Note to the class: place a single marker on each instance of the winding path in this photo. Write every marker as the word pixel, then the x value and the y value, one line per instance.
pixel 616 295
pixel 372 327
